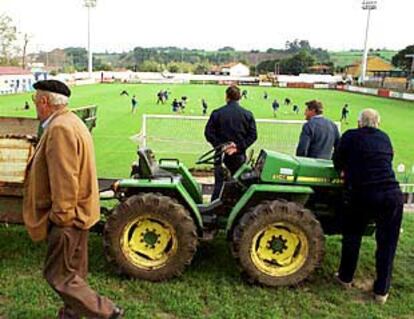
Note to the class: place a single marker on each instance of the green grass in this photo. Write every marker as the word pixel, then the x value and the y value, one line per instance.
pixel 115 151
pixel 345 58
pixel 211 287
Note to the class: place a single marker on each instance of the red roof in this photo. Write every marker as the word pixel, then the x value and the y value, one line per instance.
pixel 13 70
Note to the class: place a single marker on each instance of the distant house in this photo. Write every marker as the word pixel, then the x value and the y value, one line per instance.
pixel 320 69
pixel 15 80
pixel 231 69
pixel 374 63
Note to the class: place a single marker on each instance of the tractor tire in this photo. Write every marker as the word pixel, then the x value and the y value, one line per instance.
pixel 278 243
pixel 151 237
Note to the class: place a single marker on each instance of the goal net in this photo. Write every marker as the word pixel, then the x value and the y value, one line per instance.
pixel 179 136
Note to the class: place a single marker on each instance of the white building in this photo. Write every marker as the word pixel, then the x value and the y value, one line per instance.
pixel 231 69
pixel 15 80
pixel 236 69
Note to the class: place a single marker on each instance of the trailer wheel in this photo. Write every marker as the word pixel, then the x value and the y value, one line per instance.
pixel 278 243
pixel 151 237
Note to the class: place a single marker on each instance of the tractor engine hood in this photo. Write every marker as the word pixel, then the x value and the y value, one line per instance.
pixel 275 167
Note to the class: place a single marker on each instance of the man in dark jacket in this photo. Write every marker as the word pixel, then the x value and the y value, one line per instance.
pixel 319 135
pixel 364 155
pixel 230 124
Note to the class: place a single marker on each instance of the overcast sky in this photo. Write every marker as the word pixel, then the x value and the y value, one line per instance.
pixel 119 25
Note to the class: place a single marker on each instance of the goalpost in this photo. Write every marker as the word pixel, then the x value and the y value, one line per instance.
pixel 181 136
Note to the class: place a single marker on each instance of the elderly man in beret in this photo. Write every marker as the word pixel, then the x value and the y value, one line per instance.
pixel 61 202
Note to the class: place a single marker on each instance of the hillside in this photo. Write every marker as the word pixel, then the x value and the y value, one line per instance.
pixel 344 58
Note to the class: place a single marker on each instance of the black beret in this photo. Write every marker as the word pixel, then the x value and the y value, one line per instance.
pixel 52 86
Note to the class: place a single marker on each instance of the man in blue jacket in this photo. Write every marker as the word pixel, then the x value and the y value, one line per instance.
pixel 319 135
pixel 364 156
pixel 234 125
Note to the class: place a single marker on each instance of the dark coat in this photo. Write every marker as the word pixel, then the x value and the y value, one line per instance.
pixel 318 138
pixel 231 123
pixel 365 155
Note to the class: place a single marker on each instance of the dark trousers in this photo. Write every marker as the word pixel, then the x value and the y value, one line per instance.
pixel 233 163
pixel 385 208
pixel 66 268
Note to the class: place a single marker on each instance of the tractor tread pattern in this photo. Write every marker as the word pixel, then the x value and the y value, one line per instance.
pixel 269 212
pixel 159 206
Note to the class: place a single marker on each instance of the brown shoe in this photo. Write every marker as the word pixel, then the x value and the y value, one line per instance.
pixel 346 285
pixel 67 313
pixel 380 299
pixel 117 314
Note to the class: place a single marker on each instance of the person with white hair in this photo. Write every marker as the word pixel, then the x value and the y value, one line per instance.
pixel 372 193
pixel 61 202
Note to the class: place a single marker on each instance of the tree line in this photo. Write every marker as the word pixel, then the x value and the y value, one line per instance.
pixel 296 57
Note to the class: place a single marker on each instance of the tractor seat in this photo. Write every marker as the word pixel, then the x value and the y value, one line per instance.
pixel 148 165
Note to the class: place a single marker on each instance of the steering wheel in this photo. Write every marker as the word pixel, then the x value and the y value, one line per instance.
pixel 210 156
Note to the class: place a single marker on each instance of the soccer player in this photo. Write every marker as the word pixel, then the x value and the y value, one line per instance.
pixel 244 94
pixel 287 101
pixel 160 97
pixel 344 116
pixel 205 106
pixel 134 104
pixel 275 107
pixel 296 109
pixel 175 106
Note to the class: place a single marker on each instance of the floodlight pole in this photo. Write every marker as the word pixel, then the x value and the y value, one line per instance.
pixel 366 5
pixel 89 4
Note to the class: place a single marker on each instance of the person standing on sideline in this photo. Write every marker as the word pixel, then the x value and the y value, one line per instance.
pixel 344 114
pixel 234 125
pixel 364 156
pixel 134 104
pixel 275 107
pixel 319 135
pixel 61 202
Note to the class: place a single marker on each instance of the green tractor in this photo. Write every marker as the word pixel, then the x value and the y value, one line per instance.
pixel 274 211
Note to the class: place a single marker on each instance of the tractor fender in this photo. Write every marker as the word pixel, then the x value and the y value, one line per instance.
pixel 257 190
pixel 168 187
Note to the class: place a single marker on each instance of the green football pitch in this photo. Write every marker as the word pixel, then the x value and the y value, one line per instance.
pixel 115 151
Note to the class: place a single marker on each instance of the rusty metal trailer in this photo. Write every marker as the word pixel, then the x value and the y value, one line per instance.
pixel 18 138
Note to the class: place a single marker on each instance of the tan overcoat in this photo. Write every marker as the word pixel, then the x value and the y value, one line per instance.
pixel 61 183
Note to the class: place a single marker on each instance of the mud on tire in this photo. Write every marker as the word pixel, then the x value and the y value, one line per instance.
pixel 278 243
pixel 151 237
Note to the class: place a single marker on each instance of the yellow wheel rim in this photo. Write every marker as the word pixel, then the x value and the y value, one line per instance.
pixel 279 249
pixel 148 242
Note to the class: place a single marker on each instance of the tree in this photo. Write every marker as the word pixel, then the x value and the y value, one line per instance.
pixel 202 67
pixel 227 48
pixel 173 67
pixel 79 57
pixel 297 64
pixel 25 42
pixel 8 36
pixel 150 66
pixel 399 60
